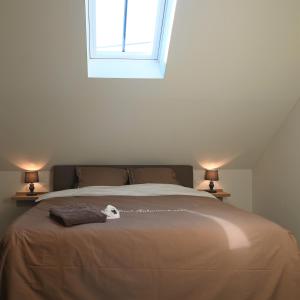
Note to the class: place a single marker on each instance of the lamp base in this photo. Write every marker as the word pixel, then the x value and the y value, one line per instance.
pixel 31 189
pixel 211 187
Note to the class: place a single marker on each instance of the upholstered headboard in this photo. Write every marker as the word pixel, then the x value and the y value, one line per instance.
pixel 64 177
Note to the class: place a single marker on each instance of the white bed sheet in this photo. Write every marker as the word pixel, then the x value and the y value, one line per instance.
pixel 148 189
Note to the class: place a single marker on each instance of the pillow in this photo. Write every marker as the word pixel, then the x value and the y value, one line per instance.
pixel 152 175
pixel 101 176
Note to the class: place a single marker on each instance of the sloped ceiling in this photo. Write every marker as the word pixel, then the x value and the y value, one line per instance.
pixel 232 77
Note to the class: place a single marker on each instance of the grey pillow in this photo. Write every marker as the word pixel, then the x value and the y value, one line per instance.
pixel 152 175
pixel 101 176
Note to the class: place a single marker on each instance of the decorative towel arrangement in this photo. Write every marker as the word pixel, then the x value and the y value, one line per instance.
pixel 77 214
pixel 111 212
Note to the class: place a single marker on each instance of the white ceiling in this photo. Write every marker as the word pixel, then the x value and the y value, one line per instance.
pixel 232 77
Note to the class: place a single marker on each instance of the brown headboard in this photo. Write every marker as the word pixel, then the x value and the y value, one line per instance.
pixel 64 177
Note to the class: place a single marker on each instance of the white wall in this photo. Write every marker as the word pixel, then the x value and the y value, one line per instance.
pixel 233 65
pixel 10 183
pixel 238 182
pixel 277 176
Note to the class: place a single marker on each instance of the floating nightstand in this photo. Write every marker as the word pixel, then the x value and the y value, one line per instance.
pixel 220 194
pixel 23 199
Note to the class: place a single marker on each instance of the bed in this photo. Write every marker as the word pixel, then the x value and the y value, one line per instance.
pixel 171 242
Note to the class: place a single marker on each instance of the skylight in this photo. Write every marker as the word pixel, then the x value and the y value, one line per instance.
pixel 128 38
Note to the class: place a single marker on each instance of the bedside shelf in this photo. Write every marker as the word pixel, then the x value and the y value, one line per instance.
pixel 22 198
pixel 220 194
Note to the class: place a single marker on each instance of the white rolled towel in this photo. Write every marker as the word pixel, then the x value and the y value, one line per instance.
pixel 111 212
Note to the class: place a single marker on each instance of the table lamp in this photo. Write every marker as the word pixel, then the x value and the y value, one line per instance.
pixel 212 175
pixel 31 177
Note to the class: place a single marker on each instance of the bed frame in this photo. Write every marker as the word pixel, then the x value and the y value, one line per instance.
pixel 64 177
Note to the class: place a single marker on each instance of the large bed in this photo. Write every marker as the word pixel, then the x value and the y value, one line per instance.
pixel 171 242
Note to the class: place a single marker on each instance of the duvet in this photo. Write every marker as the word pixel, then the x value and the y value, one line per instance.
pixel 170 243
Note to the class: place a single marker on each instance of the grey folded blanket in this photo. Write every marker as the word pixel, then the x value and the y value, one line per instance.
pixel 77 214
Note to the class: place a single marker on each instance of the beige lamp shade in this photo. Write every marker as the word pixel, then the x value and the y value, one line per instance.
pixel 212 175
pixel 31 177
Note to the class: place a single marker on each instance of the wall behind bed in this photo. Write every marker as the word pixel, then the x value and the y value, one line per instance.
pixel 10 183
pixel 237 182
pixel 232 77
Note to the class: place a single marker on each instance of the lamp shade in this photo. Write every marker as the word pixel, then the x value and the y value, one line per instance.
pixel 212 175
pixel 31 177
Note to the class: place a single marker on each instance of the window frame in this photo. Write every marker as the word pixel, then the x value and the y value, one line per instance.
pixel 159 31
pixel 133 68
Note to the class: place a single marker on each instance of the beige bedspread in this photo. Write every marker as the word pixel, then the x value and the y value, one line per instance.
pixel 164 247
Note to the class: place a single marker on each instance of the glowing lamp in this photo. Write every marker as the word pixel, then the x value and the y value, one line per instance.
pixel 212 175
pixel 31 177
